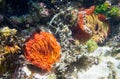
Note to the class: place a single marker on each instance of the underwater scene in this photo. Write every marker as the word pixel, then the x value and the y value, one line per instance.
pixel 59 39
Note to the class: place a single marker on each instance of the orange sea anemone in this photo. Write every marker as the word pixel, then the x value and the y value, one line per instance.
pixel 90 25
pixel 42 50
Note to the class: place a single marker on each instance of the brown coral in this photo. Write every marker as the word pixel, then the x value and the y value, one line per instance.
pixel 42 50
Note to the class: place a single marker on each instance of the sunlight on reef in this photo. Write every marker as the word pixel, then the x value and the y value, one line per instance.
pixel 103 70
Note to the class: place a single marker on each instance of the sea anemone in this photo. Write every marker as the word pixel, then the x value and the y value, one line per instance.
pixel 10 42
pixel 90 25
pixel 100 29
pixel 42 50
pixel 10 46
pixel 12 49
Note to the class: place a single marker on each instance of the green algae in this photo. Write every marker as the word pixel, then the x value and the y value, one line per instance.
pixel 91 45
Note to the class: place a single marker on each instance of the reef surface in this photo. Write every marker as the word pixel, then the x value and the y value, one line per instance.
pixel 60 39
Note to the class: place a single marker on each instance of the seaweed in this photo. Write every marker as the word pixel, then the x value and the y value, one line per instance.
pixel 108 10
pixel 91 45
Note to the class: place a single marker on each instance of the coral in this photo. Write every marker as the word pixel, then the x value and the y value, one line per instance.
pixel 2 67
pixel 90 26
pixel 40 10
pixel 42 50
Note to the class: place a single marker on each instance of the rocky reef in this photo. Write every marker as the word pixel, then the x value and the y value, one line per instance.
pixel 60 39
